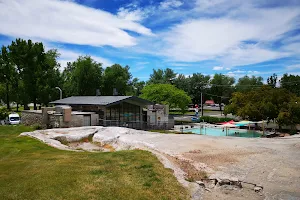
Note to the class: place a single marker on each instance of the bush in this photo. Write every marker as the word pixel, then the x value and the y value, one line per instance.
pixel 3 113
pixel 214 120
pixel 37 127
pixel 293 131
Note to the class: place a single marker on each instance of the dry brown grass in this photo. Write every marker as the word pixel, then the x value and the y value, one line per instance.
pixel 217 158
pixel 109 147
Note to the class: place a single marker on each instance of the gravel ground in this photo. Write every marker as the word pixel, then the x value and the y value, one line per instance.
pixel 272 163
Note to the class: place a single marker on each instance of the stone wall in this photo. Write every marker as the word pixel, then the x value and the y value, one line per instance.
pixel 33 117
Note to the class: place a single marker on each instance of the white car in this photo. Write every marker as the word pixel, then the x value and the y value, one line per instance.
pixel 13 119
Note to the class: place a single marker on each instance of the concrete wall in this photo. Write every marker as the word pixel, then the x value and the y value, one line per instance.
pixel 32 117
pixel 94 119
pixel 57 121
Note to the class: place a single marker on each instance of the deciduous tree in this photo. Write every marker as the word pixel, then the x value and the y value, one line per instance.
pixel 166 94
pixel 246 83
pixel 221 88
pixel 291 83
pixel 162 76
pixel 82 77
pixel 117 77
pixel 272 80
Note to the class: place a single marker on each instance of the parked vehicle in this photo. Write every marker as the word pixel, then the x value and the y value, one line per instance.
pixel 13 119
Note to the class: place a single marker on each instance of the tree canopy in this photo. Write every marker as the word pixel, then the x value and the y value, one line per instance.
pixel 162 76
pixel 166 94
pixel 265 103
pixel 82 77
pixel 117 77
pixel 221 88
pixel 246 83
pixel 272 80
pixel 291 83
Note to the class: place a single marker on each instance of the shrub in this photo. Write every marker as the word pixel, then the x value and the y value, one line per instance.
pixel 293 131
pixel 3 113
pixel 37 127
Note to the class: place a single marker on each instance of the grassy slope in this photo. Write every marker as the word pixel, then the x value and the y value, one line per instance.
pixel 30 169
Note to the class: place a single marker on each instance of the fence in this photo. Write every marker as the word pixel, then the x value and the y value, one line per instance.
pixel 138 125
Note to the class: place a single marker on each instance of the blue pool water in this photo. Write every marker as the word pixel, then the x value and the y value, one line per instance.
pixel 220 132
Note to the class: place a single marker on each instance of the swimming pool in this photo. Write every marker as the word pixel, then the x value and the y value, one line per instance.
pixel 220 132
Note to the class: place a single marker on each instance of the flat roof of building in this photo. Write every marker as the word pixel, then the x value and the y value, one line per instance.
pixel 98 100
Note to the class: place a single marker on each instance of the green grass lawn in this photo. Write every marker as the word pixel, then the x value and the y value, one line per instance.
pixel 30 169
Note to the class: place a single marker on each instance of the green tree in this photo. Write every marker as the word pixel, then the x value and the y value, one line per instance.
pixel 246 83
pixel 166 94
pixel 2 93
pixel 198 83
pixel 82 77
pixel 136 87
pixel 50 78
pixel 18 53
pixel 69 88
pixel 260 103
pixel 182 82
pixel 162 76
pixel 29 58
pixel 221 88
pixel 290 113
pixel 272 80
pixel 291 83
pixel 117 77
pixel 7 73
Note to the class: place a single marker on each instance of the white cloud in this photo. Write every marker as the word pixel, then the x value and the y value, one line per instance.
pixel 70 56
pixel 218 68
pixel 216 6
pixel 67 22
pixel 292 39
pixel 180 64
pixel 239 38
pixel 170 4
pixel 131 15
pixel 249 54
pixel 142 63
pixel 293 67
pixel 292 48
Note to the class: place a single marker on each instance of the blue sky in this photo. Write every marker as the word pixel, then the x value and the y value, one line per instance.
pixel 234 37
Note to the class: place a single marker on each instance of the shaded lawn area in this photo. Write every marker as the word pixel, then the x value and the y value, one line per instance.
pixel 30 169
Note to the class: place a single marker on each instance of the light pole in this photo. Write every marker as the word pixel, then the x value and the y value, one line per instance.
pixel 201 97
pixel 60 92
